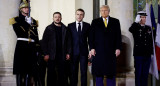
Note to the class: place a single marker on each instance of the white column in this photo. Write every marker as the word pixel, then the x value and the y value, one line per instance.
pixel 8 9
pixel 123 10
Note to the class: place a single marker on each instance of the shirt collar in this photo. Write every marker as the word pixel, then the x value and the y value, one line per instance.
pixel 106 18
pixel 78 22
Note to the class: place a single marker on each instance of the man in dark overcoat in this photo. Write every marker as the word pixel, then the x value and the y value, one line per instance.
pixel 25 56
pixel 57 48
pixel 105 44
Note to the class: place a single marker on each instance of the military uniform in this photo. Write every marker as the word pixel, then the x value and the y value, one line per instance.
pixel 27 44
pixel 27 47
pixel 143 48
pixel 143 44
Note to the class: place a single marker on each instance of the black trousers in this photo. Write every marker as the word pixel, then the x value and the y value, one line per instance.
pixel 68 72
pixel 42 73
pixel 24 80
pixel 83 67
pixel 56 73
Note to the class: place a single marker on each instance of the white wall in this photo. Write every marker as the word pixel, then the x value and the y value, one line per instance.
pixel 42 10
pixel 87 6
pixel 123 10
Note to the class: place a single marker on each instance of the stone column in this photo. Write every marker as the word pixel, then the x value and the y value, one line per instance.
pixel 123 10
pixel 8 9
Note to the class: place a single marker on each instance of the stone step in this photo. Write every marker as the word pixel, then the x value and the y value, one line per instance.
pixel 7 80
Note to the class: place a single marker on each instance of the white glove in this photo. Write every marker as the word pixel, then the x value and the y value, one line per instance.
pixel 28 19
pixel 138 19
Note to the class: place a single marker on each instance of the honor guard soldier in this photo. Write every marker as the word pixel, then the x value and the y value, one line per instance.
pixel 143 48
pixel 25 56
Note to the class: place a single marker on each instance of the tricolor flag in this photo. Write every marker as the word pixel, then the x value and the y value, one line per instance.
pixel 158 39
pixel 153 66
pixel 153 21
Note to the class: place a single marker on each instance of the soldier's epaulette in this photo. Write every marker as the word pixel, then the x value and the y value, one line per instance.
pixel 37 23
pixel 12 21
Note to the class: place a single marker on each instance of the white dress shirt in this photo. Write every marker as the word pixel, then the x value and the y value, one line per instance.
pixel 78 25
pixel 107 19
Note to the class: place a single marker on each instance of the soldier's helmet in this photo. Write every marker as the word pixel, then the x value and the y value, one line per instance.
pixel 23 4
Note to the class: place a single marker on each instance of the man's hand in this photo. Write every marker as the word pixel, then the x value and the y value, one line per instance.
pixel 92 52
pixel 67 57
pixel 46 58
pixel 117 52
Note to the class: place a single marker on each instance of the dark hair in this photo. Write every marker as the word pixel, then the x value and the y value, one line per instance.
pixel 57 13
pixel 80 10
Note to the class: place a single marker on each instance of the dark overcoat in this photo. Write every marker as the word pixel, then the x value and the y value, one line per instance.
pixel 25 57
pixel 105 41
pixel 49 41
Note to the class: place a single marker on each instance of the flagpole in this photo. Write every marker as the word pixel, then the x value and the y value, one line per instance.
pixel 29 8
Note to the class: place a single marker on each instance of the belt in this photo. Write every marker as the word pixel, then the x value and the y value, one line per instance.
pixel 26 39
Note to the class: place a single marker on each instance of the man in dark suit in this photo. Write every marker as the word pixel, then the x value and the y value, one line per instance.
pixel 56 47
pixel 105 44
pixel 79 31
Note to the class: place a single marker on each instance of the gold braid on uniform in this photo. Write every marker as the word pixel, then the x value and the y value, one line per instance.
pixel 31 32
pixel 36 25
pixel 22 28
pixel 12 21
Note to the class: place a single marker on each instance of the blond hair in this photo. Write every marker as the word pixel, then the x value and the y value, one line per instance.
pixel 105 6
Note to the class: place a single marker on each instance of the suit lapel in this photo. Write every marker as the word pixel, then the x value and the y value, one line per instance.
pixel 74 27
pixel 102 22
pixel 109 22
pixel 83 27
pixel 63 33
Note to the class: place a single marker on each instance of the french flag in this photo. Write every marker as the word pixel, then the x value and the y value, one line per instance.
pixel 158 40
